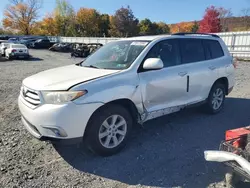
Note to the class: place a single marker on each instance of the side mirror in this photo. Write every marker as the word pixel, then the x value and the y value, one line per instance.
pixel 153 64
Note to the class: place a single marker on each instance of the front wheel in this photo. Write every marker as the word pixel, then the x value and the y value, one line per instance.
pixel 108 130
pixel 216 98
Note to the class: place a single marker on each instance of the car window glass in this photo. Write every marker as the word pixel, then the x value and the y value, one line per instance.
pixel 215 48
pixel 115 55
pixel 207 50
pixel 18 46
pixel 167 51
pixel 192 50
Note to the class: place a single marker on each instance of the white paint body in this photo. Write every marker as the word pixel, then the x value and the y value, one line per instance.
pixel 154 93
pixel 17 50
pixel 224 156
pixel 2 46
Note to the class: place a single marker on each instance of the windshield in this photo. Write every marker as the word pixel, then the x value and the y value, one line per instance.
pixel 115 55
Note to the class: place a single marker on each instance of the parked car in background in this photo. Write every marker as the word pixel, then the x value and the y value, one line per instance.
pixel 41 43
pixel 27 42
pixel 15 51
pixel 62 47
pixel 3 47
pixel 4 37
pixel 84 50
pixel 128 81
pixel 13 40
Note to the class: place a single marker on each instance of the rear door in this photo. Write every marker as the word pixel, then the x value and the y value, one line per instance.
pixel 193 55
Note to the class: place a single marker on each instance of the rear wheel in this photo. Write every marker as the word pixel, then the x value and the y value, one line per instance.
pixel 108 130
pixel 216 98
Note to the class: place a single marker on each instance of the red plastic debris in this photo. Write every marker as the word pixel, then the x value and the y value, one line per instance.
pixel 237 133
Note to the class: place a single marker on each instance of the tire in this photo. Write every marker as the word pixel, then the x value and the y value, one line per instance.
pixel 210 107
pixel 97 135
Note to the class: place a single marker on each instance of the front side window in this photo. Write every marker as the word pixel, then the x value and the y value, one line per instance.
pixel 117 55
pixel 192 50
pixel 167 51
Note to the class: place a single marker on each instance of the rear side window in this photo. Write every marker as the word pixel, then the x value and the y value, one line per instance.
pixel 167 51
pixel 214 48
pixel 192 50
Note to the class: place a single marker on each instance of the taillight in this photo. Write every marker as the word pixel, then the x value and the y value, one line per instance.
pixel 13 51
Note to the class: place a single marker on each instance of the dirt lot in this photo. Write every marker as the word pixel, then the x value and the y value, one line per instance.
pixel 166 152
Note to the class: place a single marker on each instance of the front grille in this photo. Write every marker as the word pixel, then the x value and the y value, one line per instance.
pixel 30 96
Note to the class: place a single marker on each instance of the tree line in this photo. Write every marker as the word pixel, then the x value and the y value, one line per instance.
pixel 21 16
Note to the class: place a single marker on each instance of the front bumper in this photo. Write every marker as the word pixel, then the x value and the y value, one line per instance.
pixel 53 122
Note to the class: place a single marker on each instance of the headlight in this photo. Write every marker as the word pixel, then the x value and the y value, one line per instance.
pixel 59 97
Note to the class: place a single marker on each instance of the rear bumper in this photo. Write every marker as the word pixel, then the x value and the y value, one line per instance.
pixel 19 55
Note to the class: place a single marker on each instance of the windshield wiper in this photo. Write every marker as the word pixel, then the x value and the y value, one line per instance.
pixel 91 66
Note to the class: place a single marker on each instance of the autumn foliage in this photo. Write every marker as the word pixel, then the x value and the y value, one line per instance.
pixel 88 22
pixel 21 16
pixel 211 21
pixel 182 27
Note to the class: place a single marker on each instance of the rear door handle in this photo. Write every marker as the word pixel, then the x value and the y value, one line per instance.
pixel 212 67
pixel 182 74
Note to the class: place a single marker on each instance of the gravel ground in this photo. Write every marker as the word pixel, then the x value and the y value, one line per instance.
pixel 166 152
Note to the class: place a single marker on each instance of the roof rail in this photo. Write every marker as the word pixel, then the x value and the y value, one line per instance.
pixel 213 35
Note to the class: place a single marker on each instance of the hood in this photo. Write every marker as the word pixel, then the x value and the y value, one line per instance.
pixel 63 78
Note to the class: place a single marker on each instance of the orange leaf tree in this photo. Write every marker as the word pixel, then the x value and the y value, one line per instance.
pixel 46 27
pixel 182 27
pixel 88 22
pixel 20 15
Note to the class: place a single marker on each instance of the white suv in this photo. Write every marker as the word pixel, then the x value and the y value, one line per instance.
pixel 124 82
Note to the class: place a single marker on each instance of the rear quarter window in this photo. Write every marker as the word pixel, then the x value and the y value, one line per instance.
pixel 214 48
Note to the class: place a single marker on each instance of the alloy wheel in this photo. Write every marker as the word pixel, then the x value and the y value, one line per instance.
pixel 218 97
pixel 112 131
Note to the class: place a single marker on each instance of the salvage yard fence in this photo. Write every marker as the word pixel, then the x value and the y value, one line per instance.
pixel 238 43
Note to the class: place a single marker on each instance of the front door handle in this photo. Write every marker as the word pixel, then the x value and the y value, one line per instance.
pixel 212 67
pixel 182 74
